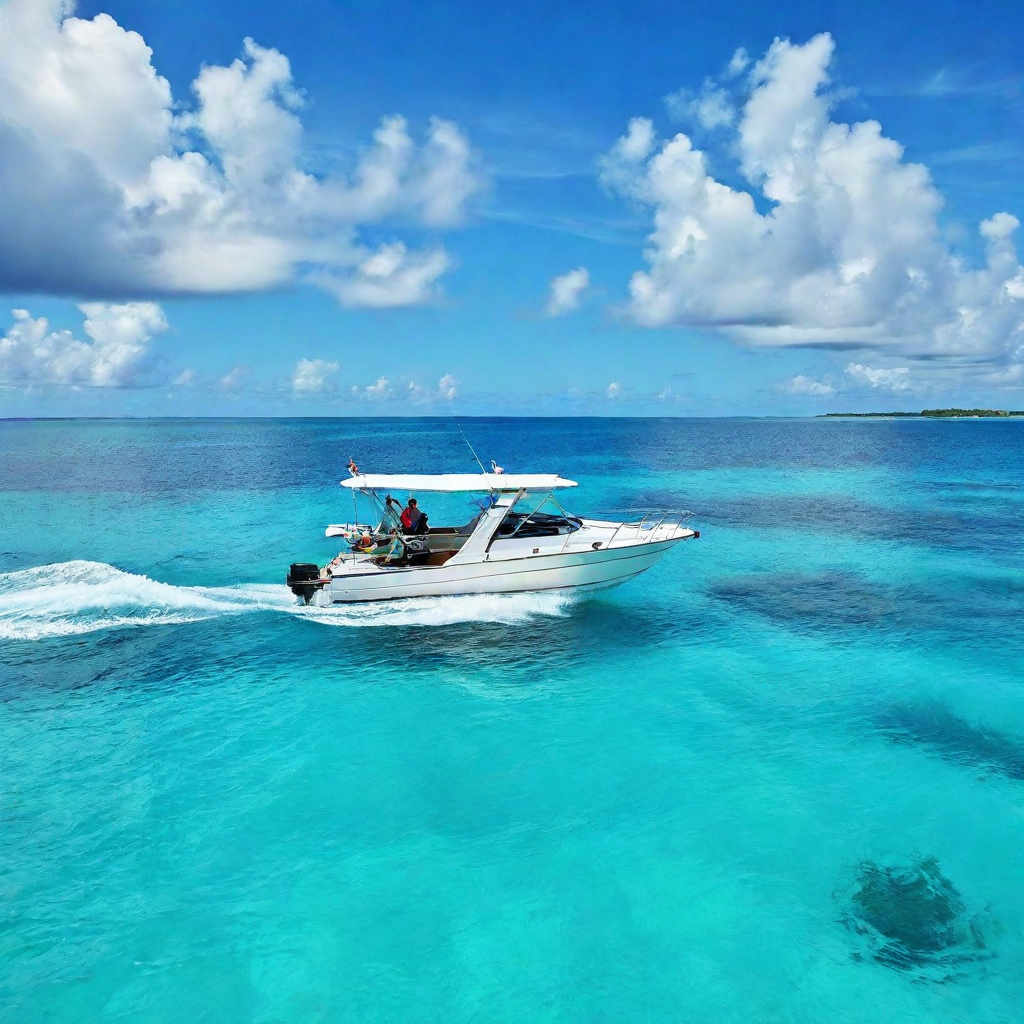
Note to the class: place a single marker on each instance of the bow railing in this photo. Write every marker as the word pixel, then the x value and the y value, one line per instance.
pixel 654 522
pixel 653 525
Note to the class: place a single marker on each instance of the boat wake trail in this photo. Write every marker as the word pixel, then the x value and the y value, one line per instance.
pixel 80 597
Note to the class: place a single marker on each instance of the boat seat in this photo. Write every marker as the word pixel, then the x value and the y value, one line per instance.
pixel 439 557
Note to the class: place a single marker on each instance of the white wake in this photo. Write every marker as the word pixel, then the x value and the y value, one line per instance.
pixel 79 597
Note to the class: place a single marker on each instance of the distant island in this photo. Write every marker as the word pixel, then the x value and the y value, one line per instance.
pixel 934 413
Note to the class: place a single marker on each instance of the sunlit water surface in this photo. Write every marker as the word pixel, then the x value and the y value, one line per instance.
pixel 779 777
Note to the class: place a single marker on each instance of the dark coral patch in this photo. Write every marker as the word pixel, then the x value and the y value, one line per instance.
pixel 912 918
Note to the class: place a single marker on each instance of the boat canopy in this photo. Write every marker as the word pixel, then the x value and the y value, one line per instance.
pixel 454 482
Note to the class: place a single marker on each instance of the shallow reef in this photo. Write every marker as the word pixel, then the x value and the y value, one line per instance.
pixel 824 600
pixel 912 918
pixel 964 611
pixel 953 738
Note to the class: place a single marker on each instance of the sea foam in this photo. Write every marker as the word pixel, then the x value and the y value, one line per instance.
pixel 75 597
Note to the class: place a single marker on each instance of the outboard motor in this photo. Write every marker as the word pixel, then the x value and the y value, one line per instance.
pixel 304 580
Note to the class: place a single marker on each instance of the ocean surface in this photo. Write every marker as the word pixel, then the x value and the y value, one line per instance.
pixel 779 777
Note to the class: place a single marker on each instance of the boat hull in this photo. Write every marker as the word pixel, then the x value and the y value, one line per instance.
pixel 581 570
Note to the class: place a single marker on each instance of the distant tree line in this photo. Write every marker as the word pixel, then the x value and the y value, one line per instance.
pixel 936 413
pixel 972 412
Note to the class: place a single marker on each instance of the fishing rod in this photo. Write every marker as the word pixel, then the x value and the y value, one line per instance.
pixel 468 445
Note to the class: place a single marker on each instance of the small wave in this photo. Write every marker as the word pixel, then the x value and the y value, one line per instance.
pixel 76 597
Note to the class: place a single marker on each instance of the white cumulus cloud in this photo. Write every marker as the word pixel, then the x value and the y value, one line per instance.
pixel 117 354
pixel 614 389
pixel 387 277
pixel 566 292
pixel 379 391
pixel 311 375
pixel 112 185
pixel 622 168
pixel 738 63
pixel 896 378
pixel 235 377
pixel 711 107
pixel 447 390
pixel 801 385
pixel 848 250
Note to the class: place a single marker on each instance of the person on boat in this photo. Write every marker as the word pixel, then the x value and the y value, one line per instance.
pixel 363 542
pixel 413 520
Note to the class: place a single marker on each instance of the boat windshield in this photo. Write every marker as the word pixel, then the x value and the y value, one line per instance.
pixel 537 524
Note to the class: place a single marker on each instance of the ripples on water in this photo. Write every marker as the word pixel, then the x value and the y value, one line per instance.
pixel 778 777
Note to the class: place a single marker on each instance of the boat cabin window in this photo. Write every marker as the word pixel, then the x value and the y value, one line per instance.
pixel 537 524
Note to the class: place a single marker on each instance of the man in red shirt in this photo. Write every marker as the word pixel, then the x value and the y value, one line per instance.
pixel 413 520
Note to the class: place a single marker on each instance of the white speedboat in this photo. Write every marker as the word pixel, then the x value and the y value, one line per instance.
pixel 511 546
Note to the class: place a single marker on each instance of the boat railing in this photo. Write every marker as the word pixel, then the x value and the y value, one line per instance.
pixel 655 523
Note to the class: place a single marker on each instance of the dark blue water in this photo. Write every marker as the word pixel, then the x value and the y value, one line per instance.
pixel 780 777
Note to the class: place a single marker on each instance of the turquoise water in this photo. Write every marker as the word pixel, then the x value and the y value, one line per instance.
pixel 779 777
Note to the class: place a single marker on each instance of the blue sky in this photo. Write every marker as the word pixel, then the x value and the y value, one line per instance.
pixel 787 264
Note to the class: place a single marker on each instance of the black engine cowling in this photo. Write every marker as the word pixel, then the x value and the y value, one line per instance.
pixel 303 579
pixel 303 572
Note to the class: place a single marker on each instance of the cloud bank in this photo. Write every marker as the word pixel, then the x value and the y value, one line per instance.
pixel 842 245
pixel 110 188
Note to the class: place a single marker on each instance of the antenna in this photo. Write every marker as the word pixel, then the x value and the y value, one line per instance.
pixel 471 448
